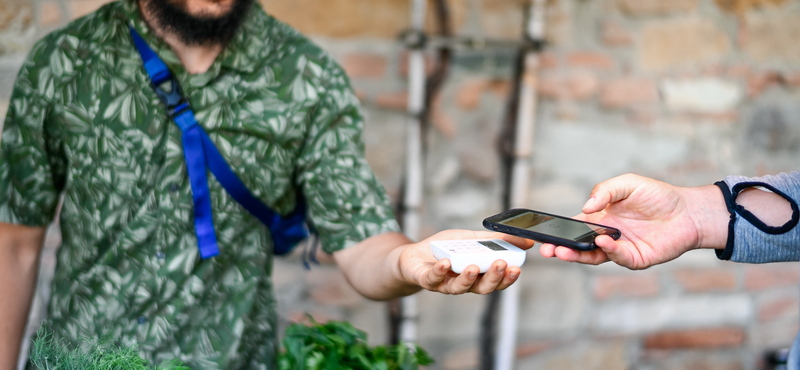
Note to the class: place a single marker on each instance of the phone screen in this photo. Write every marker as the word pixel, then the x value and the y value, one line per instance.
pixel 559 227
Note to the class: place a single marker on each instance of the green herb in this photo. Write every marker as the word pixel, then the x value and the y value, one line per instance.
pixel 331 346
pixel 47 354
pixel 338 345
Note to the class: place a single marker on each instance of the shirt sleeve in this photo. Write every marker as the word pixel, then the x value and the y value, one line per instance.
pixel 346 202
pixel 752 241
pixel 32 170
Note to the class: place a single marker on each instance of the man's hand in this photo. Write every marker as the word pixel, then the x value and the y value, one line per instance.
pixel 389 265
pixel 418 266
pixel 658 221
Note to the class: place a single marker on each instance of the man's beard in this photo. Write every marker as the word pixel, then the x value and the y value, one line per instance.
pixel 190 29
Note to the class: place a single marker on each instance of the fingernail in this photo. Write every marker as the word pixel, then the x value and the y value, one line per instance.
pixel 513 275
pixel 472 275
pixel 589 203
pixel 501 269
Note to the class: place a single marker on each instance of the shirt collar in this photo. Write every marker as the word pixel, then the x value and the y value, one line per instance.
pixel 242 53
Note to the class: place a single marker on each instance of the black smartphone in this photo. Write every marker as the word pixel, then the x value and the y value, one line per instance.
pixel 548 228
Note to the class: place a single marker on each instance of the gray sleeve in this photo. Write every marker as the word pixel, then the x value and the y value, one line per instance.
pixel 752 240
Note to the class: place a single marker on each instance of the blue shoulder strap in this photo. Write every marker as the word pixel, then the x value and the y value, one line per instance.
pixel 201 153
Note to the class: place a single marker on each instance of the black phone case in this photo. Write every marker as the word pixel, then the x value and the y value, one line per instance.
pixel 489 224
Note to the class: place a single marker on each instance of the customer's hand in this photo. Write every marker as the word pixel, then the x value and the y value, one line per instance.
pixel 658 221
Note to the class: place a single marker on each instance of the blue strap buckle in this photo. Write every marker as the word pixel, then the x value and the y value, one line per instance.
pixel 172 96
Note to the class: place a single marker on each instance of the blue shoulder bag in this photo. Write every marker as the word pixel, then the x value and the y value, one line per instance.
pixel 201 154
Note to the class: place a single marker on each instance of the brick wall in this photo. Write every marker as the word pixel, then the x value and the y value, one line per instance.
pixel 686 91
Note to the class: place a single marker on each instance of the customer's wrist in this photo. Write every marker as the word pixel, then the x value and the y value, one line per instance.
pixel 706 206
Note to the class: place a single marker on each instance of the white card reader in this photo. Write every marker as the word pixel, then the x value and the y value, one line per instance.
pixel 479 252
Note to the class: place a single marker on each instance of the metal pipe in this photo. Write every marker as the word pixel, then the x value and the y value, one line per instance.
pixel 413 180
pixel 520 178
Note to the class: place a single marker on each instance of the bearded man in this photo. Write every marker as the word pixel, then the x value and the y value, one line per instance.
pixel 86 123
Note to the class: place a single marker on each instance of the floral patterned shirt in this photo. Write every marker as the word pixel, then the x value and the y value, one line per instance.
pixel 84 122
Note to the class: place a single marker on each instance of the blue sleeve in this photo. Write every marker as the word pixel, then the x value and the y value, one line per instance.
pixel 749 239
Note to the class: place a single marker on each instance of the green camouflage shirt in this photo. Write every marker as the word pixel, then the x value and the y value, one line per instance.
pixel 83 120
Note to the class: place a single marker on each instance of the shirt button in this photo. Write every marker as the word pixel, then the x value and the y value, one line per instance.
pixel 173 188
pixel 141 320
